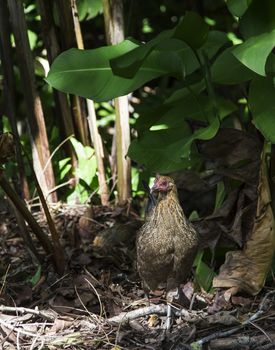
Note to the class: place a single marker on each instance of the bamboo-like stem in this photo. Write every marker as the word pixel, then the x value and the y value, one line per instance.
pixel 58 255
pixel 272 177
pixel 122 145
pixel 26 236
pixel 97 142
pixel 50 39
pixel 68 40
pixel 21 207
pixel 38 134
pixel 10 91
pixel 95 136
pixel 113 17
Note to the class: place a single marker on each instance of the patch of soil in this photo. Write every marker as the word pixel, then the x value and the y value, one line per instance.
pixel 99 304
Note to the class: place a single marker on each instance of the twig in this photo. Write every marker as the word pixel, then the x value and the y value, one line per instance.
pixel 5 279
pixel 23 310
pixel 16 329
pixel 97 295
pixel 261 330
pixel 240 342
pixel 221 334
pixel 270 346
pixel 125 317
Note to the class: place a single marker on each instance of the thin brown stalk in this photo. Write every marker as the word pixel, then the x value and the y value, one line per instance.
pixel 50 39
pixel 114 23
pixel 68 40
pixel 95 136
pixel 21 207
pixel 38 134
pixel 58 255
pixel 9 91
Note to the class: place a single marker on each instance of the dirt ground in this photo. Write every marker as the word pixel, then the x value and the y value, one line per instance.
pixel 99 303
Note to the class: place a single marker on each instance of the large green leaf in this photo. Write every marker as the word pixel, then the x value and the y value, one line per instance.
pixel 227 69
pixel 192 29
pixel 87 9
pixel 262 104
pixel 253 53
pixel 128 64
pixel 215 41
pixel 169 139
pixel 192 107
pixel 88 73
pixel 270 65
pixel 258 19
pixel 238 7
pixel 181 93
pixel 191 32
pixel 161 151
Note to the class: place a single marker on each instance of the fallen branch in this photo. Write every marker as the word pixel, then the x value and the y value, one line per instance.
pixel 242 342
pixel 221 334
pixel 48 315
pixel 124 317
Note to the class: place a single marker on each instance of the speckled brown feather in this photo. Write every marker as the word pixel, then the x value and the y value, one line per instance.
pixel 166 244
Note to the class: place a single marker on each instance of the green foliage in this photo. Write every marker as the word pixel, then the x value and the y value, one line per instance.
pixel 254 52
pixel 220 195
pixel 202 60
pixel 227 69
pixel 262 105
pixel 36 277
pixel 88 9
pixel 88 72
pixel 203 273
pixel 85 171
pixel 238 7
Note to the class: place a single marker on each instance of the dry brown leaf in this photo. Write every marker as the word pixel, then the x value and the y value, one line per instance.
pixel 7 146
pixel 153 321
pixel 246 270
pixel 60 325
pixel 223 317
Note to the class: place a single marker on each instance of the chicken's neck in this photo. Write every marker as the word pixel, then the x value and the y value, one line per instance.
pixel 168 210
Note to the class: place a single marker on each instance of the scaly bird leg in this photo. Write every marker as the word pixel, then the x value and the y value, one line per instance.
pixel 170 296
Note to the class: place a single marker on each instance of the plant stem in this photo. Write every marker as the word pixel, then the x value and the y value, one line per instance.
pixel 113 17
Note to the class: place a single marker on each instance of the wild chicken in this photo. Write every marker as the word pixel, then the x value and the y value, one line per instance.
pixel 167 243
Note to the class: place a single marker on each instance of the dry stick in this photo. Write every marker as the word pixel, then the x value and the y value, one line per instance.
pixel 21 207
pixel 36 121
pixel 23 310
pixel 113 18
pixel 125 317
pixel 221 334
pixel 36 258
pixel 239 342
pixel 58 255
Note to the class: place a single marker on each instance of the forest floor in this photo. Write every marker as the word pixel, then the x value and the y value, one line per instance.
pixel 99 303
